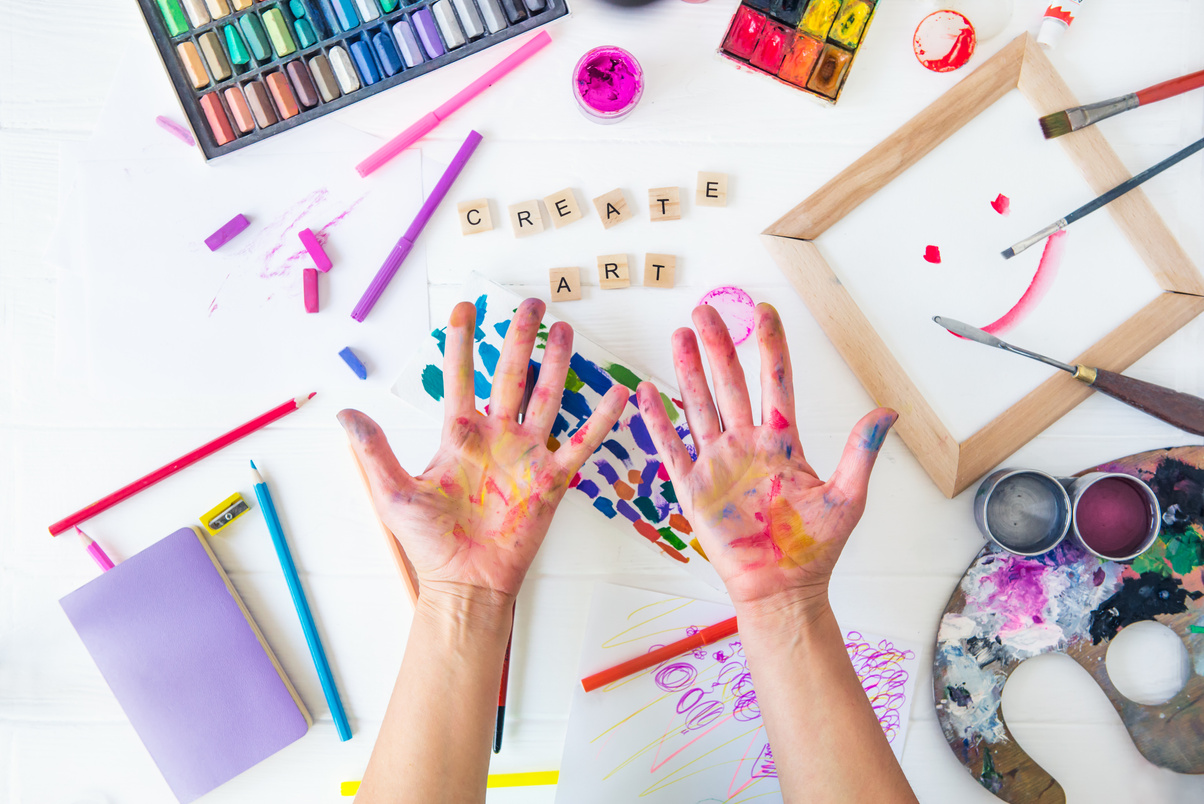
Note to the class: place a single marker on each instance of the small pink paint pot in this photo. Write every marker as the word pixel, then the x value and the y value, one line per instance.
pixel 1115 516
pixel 608 82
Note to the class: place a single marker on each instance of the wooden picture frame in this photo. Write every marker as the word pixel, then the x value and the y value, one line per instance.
pixel 954 465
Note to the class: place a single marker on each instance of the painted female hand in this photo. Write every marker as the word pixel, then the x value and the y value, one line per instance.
pixel 772 528
pixel 473 521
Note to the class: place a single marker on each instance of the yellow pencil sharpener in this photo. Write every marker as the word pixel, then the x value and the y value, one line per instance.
pixel 224 513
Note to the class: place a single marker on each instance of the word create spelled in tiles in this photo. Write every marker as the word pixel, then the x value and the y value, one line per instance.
pixel 659 270
pixel 612 208
pixel 526 218
pixel 565 283
pixel 474 216
pixel 664 204
pixel 712 190
pixel 563 208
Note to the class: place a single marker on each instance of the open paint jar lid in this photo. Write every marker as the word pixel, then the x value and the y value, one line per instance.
pixel 608 82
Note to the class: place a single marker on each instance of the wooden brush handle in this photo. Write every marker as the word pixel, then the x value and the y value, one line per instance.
pixel 1182 410
pixel 1171 88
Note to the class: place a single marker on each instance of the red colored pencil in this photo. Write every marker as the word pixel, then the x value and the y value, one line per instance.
pixel 125 492
pixel 710 634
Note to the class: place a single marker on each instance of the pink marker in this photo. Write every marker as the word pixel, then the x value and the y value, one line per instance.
pixel 420 129
pixel 316 252
pixel 103 560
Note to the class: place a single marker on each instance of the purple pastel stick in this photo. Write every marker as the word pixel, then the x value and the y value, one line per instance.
pixel 402 249
pixel 428 32
pixel 175 129
pixel 227 233
pixel 314 247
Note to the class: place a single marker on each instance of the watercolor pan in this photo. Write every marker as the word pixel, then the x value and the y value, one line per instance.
pixel 809 45
pixel 290 61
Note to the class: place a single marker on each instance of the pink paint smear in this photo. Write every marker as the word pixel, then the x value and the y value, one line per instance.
pixel 1002 204
pixel 736 308
pixel 1047 270
pixel 933 255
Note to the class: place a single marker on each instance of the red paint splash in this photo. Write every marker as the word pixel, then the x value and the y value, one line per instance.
pixel 662 473
pixel 944 41
pixel 777 421
pixel 933 255
pixel 1047 269
pixel 1002 204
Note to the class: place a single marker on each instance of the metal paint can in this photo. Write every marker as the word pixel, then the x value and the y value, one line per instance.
pixel 1024 511
pixel 1116 516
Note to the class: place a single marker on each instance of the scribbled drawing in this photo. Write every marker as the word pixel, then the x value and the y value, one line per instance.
pixel 624 481
pixel 880 668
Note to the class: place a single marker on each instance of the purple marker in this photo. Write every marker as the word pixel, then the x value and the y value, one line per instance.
pixel 227 233
pixel 402 249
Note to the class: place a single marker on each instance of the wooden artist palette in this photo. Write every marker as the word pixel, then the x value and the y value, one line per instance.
pixel 1008 608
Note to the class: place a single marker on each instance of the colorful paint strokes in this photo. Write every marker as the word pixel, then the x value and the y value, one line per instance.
pixel 625 480
pixel 1008 608
pixel 805 44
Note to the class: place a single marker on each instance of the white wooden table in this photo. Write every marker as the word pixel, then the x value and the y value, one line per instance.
pixel 62 736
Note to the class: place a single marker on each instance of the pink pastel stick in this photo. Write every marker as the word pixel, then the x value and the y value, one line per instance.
pixel 310 241
pixel 227 233
pixel 311 289
pixel 420 129
pixel 175 129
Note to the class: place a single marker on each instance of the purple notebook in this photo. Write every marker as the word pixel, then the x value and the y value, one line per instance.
pixel 187 664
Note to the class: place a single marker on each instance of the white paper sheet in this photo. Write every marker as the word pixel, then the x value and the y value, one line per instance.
pixel 690 730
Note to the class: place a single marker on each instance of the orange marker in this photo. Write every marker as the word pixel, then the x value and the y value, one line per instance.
pixel 707 636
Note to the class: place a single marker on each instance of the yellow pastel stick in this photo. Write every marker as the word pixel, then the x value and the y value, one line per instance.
pixel 495 780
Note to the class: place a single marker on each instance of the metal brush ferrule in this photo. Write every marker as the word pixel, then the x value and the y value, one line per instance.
pixel 1053 228
pixel 1092 113
pixel 1085 374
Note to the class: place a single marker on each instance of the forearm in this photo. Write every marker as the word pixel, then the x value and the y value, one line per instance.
pixel 435 738
pixel 826 741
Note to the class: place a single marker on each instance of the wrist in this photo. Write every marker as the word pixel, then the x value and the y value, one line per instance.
pixel 465 608
pixel 785 614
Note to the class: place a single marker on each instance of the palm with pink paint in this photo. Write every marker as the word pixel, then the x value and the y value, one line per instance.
pixel 767 522
pixel 480 511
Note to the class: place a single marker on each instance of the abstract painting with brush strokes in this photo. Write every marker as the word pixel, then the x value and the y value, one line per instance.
pixel 624 481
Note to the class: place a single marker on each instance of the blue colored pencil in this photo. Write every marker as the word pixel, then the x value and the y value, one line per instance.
pixel 303 613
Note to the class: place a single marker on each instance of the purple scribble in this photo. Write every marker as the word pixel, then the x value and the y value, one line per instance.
pixel 213 302
pixel 880 670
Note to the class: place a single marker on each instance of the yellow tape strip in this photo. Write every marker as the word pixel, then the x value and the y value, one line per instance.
pixel 495 780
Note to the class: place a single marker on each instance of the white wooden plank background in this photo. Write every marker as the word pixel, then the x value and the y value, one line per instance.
pixel 63 737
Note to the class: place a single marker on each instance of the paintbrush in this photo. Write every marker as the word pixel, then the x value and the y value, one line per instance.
pixel 1105 199
pixel 1059 123
pixel 1182 410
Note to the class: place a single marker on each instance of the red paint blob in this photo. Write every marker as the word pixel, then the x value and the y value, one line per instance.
pixel 1113 517
pixel 1047 269
pixel 777 421
pixel 944 41
pixel 933 255
pixel 1002 204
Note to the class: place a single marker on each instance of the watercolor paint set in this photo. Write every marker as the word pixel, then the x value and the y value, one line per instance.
pixel 247 69
pixel 806 44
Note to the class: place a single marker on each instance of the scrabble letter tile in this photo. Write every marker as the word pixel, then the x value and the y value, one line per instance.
pixel 659 270
pixel 612 208
pixel 613 272
pixel 712 189
pixel 474 216
pixel 664 204
pixel 565 283
pixel 526 218
pixel 563 207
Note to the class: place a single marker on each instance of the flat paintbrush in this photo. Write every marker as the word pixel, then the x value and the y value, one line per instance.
pixel 1059 123
pixel 1182 410
pixel 1105 199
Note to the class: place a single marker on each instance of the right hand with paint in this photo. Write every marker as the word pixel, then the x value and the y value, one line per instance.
pixel 772 529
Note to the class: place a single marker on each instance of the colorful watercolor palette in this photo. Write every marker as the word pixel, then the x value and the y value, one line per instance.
pixel 248 69
pixel 807 44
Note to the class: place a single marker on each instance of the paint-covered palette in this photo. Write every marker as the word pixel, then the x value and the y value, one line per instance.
pixel 1008 608
pixel 624 480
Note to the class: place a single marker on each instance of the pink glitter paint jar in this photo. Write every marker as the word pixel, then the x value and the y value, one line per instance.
pixel 608 82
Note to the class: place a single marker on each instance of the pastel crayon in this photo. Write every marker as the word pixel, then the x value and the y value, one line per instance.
pixel 217 8
pixel 772 48
pixel 257 37
pixel 305 34
pixel 407 43
pixel 329 17
pixel 389 5
pixel 215 115
pixel 277 27
pixel 469 18
pixel 314 247
pixel 495 19
pixel 240 111
pixel 354 363
pixel 228 231
pixel 365 65
pixel 241 5
pixel 535 6
pixel 282 95
pixel 796 67
pixel 215 57
pixel 347 15
pixel 367 9
pixel 261 104
pixel 445 18
pixel 328 86
pixel 386 53
pixel 310 282
pixel 173 16
pixel 303 84
pixel 829 72
pixel 194 67
pixel 236 47
pixel 515 10
pixel 198 15
pixel 344 70
pixel 428 34
pixel 744 33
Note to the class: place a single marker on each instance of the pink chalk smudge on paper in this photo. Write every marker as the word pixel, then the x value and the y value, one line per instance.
pixel 1047 270
pixel 1002 204
pixel 736 308
pixel 176 130
pixel 933 255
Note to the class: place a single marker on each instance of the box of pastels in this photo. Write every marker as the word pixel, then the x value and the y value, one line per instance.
pixel 247 69
pixel 806 44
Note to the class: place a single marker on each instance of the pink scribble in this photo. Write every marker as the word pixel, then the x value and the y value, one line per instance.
pixel 1047 270
pixel 176 130
pixel 736 308
pixel 1002 204
pixel 1015 590
pixel 213 302
pixel 880 670
pixel 777 421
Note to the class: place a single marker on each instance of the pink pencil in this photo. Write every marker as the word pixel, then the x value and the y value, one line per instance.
pixel 420 129
pixel 94 550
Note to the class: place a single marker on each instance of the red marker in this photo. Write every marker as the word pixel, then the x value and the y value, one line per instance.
pixel 709 635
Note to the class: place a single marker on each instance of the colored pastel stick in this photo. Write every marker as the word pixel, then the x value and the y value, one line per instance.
pixel 428 32
pixel 203 451
pixel 305 33
pixel 710 634
pixel 227 232
pixel 402 249
pixel 365 65
pixel 494 19
pixel 303 83
pixel 446 18
pixel 234 45
pixel 257 38
pixel 368 9
pixel 386 53
pixel 354 363
pixel 420 129
pixel 314 247
pixel 344 70
pixel 469 18
pixel 282 40
pixel 388 5
pixel 408 43
pixel 219 123
pixel 347 16
pixel 309 281
pixel 302 605
pixel 173 16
